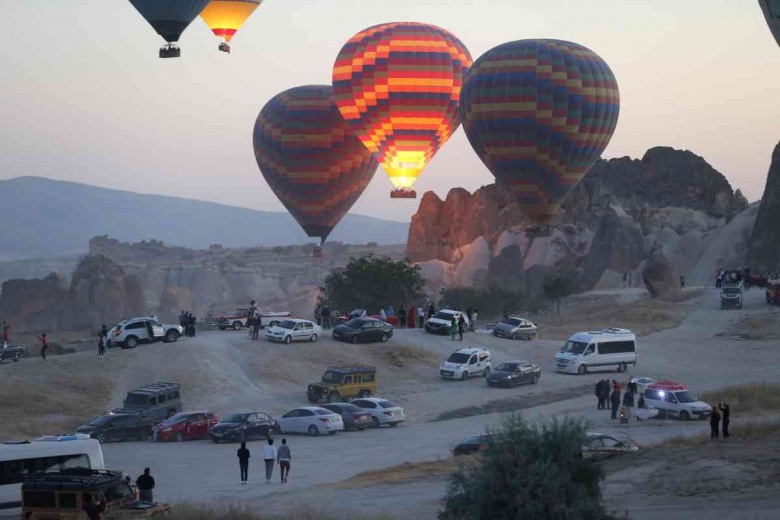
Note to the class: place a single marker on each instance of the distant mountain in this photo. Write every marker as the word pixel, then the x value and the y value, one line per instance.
pixel 41 218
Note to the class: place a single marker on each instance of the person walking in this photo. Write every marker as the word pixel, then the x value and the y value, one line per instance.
pixel 243 462
pixel 102 341
pixel 256 327
pixel 325 317
pixel 44 345
pixel 628 400
pixel 600 395
pixel 382 314
pixel 284 457
pixel 94 507
pixel 145 485
pixel 421 316
pixel 453 327
pixel 605 393
pixel 641 402
pixel 402 316
pixel 269 455
pixel 682 282
pixel 6 329
pixel 615 401
pixel 726 415
pixel 474 320
pixel 714 423
pixel 461 326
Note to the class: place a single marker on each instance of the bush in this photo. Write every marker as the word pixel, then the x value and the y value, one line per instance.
pixel 528 471
pixel 488 302
pixel 557 286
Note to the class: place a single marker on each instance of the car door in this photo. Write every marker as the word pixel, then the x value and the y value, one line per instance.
pixel 138 428
pixel 157 329
pixel 137 329
pixel 671 404
pixel 252 426
pixel 263 424
pixel 525 372
pixel 366 331
pixel 369 406
pixel 472 367
pixel 287 421
pixel 198 426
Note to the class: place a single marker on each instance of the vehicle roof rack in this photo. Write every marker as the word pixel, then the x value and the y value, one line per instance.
pixel 346 367
pixel 157 387
pixel 85 477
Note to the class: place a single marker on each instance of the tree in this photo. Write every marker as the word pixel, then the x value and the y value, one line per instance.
pixel 557 286
pixel 492 301
pixel 528 471
pixel 371 283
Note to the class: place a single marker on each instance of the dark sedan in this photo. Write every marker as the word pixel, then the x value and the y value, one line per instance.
pixel 354 418
pixel 473 444
pixel 513 373
pixel 244 427
pixel 363 330
pixel 117 427
pixel 9 352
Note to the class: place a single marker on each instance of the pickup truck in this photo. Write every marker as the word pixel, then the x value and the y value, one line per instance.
pixel 236 320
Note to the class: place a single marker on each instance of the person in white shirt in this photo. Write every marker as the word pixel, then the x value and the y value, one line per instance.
pixel 383 314
pixel 269 455
pixel 421 316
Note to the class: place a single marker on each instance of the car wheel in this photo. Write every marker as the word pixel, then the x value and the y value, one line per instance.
pixel 287 340
pixel 685 416
pixel 353 339
pixel 171 337
pixel 622 367
pixel 221 328
pixel 236 325
pixel 313 338
pixel 582 369
pixel 101 438
pixel 375 422
pixel 313 431
pixel 385 337
pixel 486 372
pixel 179 437
pixel 131 342
pixel 364 393
pixel 535 379
pixel 334 397
pixel 464 375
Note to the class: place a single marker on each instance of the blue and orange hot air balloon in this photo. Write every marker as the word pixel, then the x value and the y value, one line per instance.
pixel 310 158
pixel 398 86
pixel 539 113
pixel 169 18
pixel 225 18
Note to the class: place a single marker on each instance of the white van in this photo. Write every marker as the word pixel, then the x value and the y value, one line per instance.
pixel 602 349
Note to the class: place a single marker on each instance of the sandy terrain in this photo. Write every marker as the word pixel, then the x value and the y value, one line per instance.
pixel 224 372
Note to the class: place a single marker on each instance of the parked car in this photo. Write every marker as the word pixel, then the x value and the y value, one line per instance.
pixel 147 329
pixel 12 353
pixel 465 363
pixel 440 323
pixel 354 418
pixel 473 444
pixel 772 291
pixel 117 427
pixel 288 331
pixel 598 445
pixel 516 328
pixel 312 420
pixel 676 401
pixel 382 411
pixel 244 427
pixel 343 382
pixel 363 330
pixel 155 402
pixel 236 320
pixel 513 373
pixel 598 350
pixel 731 296
pixel 185 427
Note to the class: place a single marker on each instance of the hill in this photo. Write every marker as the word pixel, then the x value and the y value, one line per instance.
pixel 46 218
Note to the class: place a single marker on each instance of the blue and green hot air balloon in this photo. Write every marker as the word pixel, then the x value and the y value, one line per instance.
pixel 169 18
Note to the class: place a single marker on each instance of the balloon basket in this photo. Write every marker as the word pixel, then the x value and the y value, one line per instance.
pixel 224 47
pixel 403 193
pixel 170 51
pixel 538 231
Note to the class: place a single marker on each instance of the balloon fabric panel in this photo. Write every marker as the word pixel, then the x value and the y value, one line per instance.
pixel 169 17
pixel 310 157
pixel 539 113
pixel 225 17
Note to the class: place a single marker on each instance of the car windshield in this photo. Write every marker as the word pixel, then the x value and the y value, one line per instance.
pixel 511 321
pixel 176 419
pixel 137 399
pixel 459 358
pixel 731 291
pixel 441 315
pixel 685 397
pixel 575 347
pixel 287 324
pixel 387 404
pixel 323 411
pixel 100 421
pixel 331 377
pixel 355 324
pixel 507 367
pixel 234 418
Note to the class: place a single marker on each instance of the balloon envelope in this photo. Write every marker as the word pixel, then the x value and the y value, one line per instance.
pixel 225 17
pixel 311 159
pixel 539 113
pixel 169 17
pixel 771 10
pixel 398 86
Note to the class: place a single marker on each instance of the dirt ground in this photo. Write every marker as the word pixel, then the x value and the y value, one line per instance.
pixel 226 372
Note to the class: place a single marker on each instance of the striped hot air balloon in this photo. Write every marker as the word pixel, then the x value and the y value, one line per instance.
pixel 539 113
pixel 310 158
pixel 169 18
pixel 225 17
pixel 398 86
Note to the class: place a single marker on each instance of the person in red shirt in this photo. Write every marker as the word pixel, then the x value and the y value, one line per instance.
pixel 44 345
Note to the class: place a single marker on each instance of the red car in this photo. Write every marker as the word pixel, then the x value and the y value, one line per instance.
pixel 185 426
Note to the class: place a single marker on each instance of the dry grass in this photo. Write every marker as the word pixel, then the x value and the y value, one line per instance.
pixel 187 511
pixel 741 429
pixel 752 399
pixel 408 472
pixel 402 355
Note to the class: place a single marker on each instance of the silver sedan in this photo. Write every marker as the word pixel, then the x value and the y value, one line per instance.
pixel 516 328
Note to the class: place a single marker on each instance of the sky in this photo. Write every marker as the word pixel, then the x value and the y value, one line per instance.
pixel 85 97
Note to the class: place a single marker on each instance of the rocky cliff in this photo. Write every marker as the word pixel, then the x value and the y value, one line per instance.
pixel 765 241
pixel 620 213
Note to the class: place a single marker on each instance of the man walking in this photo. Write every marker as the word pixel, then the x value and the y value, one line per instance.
pixel 615 401
pixel 726 418
pixel 284 457
pixel 102 341
pixel 269 455
pixel 243 462
pixel 599 395
pixel 145 485
pixel 44 345
pixel 714 423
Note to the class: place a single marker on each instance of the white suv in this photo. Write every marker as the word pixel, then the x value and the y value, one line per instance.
pixel 466 362
pixel 133 331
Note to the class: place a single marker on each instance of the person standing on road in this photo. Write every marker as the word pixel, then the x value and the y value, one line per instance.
pixel 102 341
pixel 421 316
pixel 6 329
pixel 325 317
pixel 382 314
pixel 600 394
pixel 145 485
pixel 243 462
pixel 724 407
pixel 714 423
pixel 615 401
pixel 453 327
pixel 461 326
pixel 402 316
pixel 284 457
pixel 44 345
pixel 269 455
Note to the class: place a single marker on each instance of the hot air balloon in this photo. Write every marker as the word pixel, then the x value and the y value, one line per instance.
pixel 398 86
pixel 539 113
pixel 169 18
pixel 771 10
pixel 311 159
pixel 225 17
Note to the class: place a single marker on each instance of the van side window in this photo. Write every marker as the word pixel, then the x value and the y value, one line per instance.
pixel 473 360
pixel 670 398
pixel 67 501
pixel 617 347
pixel 368 378
pixel 152 401
pixel 162 398
pixel 483 357
pixel 347 380
pixel 591 349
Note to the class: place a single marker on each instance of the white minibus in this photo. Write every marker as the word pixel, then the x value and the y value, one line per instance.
pixel 598 350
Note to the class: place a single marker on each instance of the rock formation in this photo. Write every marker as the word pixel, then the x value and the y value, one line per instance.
pixel 659 276
pixel 35 305
pixel 765 241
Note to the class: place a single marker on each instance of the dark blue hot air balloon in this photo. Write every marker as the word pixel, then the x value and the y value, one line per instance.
pixel 169 18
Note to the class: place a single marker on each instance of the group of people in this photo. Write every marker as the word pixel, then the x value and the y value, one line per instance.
pixel 187 321
pixel 609 396
pixel 720 417
pixel 271 458
pixel 457 326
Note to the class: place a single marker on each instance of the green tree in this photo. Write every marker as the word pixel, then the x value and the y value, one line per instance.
pixel 528 471
pixel 557 286
pixel 370 283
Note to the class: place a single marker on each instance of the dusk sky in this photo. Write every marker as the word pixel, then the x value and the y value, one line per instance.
pixel 85 97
